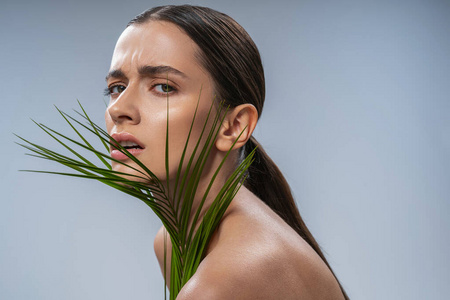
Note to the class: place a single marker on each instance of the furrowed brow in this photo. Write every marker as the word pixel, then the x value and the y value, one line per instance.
pixel 117 73
pixel 148 71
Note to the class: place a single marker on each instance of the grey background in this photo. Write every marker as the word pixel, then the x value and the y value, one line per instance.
pixel 356 116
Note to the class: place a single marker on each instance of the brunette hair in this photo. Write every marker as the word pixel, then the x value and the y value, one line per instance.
pixel 232 59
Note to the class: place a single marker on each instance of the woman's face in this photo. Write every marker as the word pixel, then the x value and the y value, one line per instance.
pixel 151 62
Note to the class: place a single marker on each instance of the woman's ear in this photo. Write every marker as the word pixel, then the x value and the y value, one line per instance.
pixel 241 119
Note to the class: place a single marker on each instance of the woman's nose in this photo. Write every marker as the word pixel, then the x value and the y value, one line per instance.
pixel 125 109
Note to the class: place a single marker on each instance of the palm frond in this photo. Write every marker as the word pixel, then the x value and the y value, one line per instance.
pixel 175 210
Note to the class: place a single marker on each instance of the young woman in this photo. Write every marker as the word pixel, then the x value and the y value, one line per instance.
pixel 261 249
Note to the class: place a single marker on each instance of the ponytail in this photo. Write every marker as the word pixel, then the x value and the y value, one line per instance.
pixel 267 182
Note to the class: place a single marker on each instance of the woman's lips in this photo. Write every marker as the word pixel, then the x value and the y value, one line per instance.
pixel 116 154
pixel 127 138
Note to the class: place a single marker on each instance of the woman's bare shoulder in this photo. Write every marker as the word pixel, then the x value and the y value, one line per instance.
pixel 255 255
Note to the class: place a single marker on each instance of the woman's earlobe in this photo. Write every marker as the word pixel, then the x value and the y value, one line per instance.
pixel 238 126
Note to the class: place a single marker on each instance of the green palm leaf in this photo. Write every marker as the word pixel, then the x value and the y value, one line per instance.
pixel 188 243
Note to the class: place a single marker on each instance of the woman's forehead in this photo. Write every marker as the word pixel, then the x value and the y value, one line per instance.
pixel 154 43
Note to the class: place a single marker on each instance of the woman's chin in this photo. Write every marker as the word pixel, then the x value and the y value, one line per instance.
pixel 131 174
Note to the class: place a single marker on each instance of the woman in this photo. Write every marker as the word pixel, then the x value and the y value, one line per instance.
pixel 261 249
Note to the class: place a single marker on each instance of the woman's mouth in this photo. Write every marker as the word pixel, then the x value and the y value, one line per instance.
pixel 127 141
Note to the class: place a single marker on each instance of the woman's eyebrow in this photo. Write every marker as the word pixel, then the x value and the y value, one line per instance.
pixel 146 71
pixel 117 73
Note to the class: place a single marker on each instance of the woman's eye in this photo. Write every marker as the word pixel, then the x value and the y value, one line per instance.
pixel 115 89
pixel 164 88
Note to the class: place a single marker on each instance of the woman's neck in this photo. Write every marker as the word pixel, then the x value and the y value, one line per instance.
pixel 205 193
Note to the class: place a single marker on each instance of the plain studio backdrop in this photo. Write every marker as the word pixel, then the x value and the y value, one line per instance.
pixel 357 116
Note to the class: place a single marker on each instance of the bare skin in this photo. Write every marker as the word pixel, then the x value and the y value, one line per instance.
pixel 254 254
